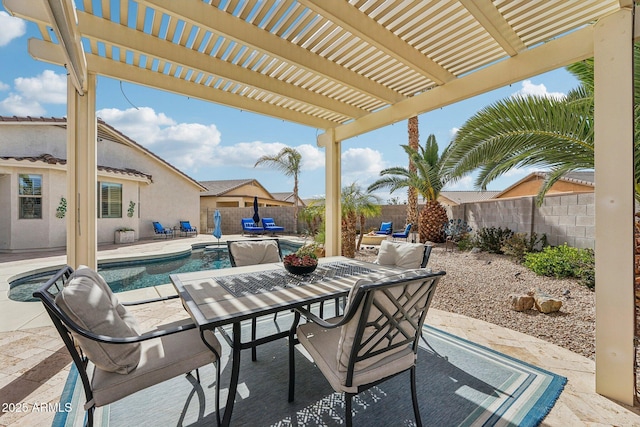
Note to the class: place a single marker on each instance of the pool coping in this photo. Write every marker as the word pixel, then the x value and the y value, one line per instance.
pixel 16 315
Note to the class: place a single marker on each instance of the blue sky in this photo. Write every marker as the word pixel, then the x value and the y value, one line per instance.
pixel 209 142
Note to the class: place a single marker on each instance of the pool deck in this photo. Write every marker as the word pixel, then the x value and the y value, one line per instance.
pixel 34 363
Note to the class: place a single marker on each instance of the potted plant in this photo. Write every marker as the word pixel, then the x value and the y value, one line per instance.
pixel 124 235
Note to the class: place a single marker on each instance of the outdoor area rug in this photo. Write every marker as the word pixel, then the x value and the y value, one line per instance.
pixel 459 383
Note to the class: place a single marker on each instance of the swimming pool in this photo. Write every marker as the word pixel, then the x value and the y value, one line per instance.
pixel 142 273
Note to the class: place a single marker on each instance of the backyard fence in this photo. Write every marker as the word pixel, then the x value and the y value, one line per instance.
pixel 566 218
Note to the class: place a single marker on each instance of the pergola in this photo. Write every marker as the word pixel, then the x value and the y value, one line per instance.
pixel 348 67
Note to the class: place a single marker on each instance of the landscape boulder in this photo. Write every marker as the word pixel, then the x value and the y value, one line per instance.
pixel 521 302
pixel 545 303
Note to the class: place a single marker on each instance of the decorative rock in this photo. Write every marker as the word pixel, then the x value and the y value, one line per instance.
pixel 545 303
pixel 521 302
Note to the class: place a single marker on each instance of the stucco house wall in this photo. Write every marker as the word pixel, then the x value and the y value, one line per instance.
pixel 159 191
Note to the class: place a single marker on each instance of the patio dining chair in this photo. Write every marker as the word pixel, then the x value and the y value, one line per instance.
pixel 113 359
pixel 375 340
pixel 252 252
pixel 404 234
pixel 403 255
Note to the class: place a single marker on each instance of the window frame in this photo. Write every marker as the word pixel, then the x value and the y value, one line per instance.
pixel 34 194
pixel 113 207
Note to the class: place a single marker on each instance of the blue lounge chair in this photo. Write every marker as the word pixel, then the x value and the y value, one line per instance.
pixel 248 226
pixel 402 234
pixel 159 230
pixel 385 228
pixel 186 228
pixel 270 226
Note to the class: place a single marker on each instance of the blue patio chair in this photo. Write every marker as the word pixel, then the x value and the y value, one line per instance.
pixel 159 230
pixel 249 226
pixel 186 228
pixel 385 228
pixel 270 226
pixel 403 234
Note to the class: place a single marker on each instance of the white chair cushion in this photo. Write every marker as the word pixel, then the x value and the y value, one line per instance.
pixel 161 359
pixel 403 255
pixel 252 253
pixel 88 301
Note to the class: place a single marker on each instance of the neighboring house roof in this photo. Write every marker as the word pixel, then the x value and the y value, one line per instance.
pixel 468 196
pixel 51 160
pixel 580 177
pixel 105 130
pixel 288 197
pixel 221 187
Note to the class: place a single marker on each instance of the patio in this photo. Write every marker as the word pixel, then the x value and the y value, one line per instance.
pixel 35 364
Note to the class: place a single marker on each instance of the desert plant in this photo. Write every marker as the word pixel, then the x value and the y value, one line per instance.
pixel 520 244
pixel 563 261
pixel 466 242
pixel 491 239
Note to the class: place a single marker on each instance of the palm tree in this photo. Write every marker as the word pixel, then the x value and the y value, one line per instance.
pixel 355 204
pixel 428 179
pixel 412 192
pixel 288 161
pixel 535 131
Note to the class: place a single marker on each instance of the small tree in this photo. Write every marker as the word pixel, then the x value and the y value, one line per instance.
pixel 288 161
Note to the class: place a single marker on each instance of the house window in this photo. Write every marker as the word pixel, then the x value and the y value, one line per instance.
pixel 30 196
pixel 109 200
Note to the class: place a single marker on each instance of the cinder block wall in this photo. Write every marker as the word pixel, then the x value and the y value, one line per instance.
pixel 568 218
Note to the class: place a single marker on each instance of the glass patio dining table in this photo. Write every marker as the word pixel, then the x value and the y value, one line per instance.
pixel 217 298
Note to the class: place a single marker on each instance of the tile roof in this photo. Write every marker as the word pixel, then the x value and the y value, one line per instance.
pixel 51 160
pixel 220 187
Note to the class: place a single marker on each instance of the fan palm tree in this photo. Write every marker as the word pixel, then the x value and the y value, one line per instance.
pixel 287 161
pixel 428 179
pixel 356 204
pixel 521 131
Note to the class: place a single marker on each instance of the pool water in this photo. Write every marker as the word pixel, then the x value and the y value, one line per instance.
pixel 137 274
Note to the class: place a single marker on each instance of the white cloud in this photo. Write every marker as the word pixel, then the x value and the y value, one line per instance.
pixel 361 165
pixel 31 92
pixel 4 86
pixel 530 89
pixel 188 146
pixel 12 28
pixel 16 105
pixel 453 132
pixel 463 184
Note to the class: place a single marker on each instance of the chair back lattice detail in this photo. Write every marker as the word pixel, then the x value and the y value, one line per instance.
pixel 388 320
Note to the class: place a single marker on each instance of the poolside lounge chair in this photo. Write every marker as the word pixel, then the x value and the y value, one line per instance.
pixel 385 228
pixel 270 226
pixel 159 230
pixel 249 226
pixel 186 228
pixel 375 340
pixel 402 234
pixel 113 359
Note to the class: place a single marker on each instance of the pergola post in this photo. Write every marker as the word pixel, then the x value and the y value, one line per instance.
pixel 82 181
pixel 333 217
pixel 614 197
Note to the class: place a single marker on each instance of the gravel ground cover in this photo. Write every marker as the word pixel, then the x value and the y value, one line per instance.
pixel 478 285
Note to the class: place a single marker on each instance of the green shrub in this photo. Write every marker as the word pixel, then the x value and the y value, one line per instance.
pixel 563 261
pixel 520 244
pixel 492 239
pixel 466 243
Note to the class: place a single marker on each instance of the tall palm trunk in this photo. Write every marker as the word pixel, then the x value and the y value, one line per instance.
pixel 412 192
pixel 295 204
pixel 349 235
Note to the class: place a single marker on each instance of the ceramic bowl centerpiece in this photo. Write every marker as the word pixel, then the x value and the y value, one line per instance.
pixel 303 261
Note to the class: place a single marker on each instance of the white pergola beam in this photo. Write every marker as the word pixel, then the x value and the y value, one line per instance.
pixel 566 50
pixel 614 202
pixel 487 15
pixel 365 28
pixel 139 42
pixel 211 18
pixel 50 52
